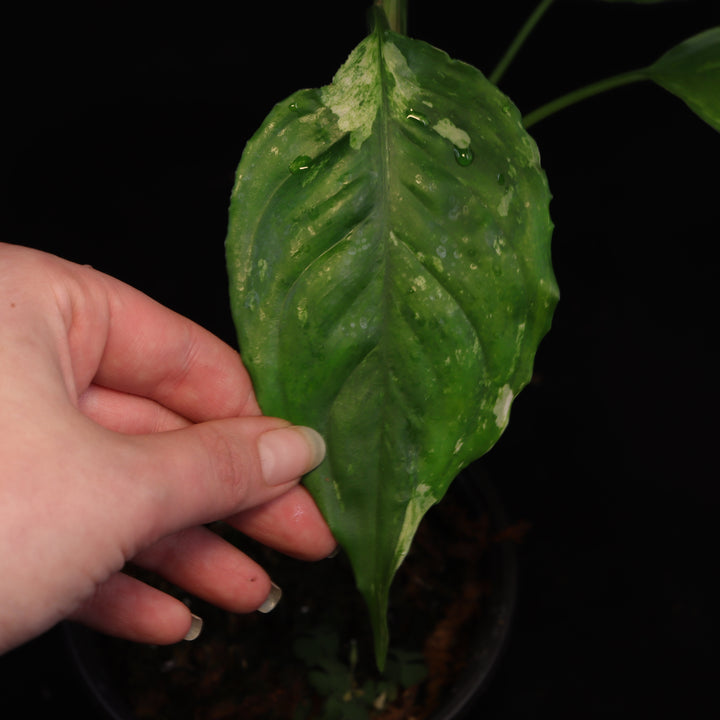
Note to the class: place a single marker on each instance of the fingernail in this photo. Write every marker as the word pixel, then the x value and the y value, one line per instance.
pixel 279 450
pixel 271 600
pixel 316 443
pixel 196 626
pixel 334 553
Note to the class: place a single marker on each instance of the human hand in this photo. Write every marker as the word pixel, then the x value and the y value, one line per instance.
pixel 125 427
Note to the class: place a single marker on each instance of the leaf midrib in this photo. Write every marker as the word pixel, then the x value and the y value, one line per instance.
pixel 384 226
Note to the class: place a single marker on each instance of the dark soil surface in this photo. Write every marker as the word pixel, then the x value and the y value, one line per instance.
pixel 246 666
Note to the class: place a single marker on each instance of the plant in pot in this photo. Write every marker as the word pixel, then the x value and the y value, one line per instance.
pixel 389 259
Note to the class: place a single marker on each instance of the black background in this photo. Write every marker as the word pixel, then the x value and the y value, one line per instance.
pixel 122 131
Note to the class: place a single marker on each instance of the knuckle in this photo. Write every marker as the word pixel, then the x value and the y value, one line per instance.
pixel 230 459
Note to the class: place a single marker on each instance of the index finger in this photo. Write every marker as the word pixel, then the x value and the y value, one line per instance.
pixel 154 352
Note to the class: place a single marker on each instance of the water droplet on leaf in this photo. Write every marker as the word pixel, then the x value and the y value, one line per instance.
pixel 300 164
pixel 303 105
pixel 463 156
pixel 417 117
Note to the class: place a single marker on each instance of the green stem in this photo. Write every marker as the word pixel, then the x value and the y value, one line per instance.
pixel 520 38
pixel 396 14
pixel 583 93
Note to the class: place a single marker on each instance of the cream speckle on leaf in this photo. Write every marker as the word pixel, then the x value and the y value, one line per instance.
pixel 457 136
pixel 502 406
pixel 354 95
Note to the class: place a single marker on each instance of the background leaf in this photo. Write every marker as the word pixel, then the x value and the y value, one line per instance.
pixel 389 257
pixel 691 71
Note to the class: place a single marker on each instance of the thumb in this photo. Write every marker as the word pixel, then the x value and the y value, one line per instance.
pixel 211 470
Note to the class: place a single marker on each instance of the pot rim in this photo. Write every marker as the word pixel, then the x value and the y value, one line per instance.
pixel 493 630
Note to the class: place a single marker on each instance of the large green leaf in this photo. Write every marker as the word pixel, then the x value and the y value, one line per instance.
pixel 691 70
pixel 389 258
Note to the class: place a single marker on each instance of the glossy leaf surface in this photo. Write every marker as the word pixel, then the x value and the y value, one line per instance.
pixel 691 70
pixel 389 261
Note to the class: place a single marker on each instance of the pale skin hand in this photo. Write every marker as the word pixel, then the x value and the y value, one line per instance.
pixel 125 427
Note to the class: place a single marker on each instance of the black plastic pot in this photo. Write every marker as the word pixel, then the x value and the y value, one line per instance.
pixel 104 667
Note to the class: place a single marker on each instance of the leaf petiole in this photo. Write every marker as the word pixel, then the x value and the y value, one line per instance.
pixel 520 38
pixel 583 93
pixel 396 14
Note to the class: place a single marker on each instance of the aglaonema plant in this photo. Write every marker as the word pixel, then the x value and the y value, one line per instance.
pixel 390 272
